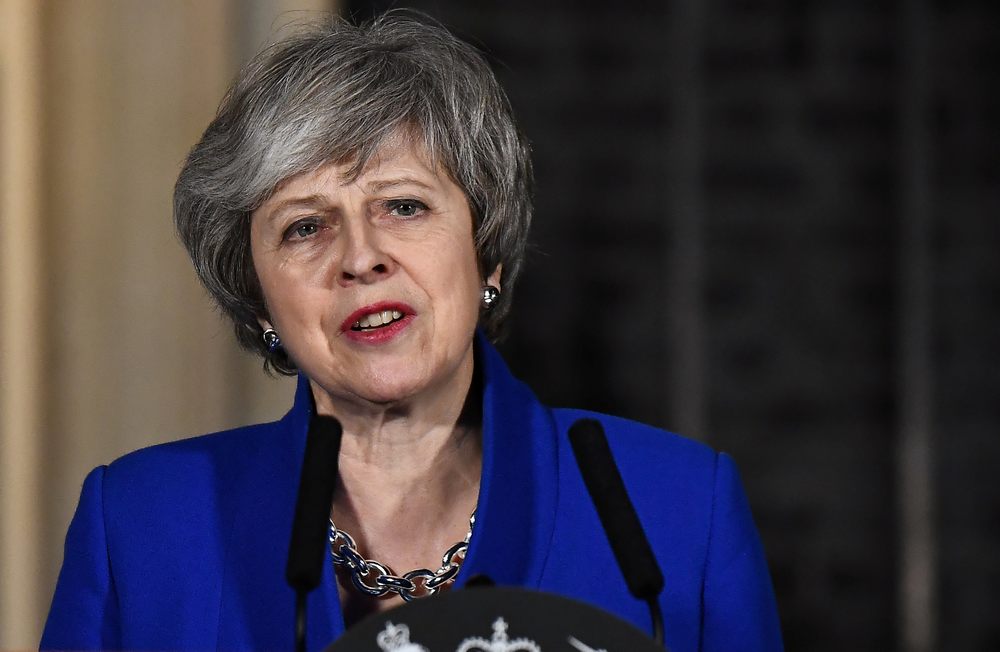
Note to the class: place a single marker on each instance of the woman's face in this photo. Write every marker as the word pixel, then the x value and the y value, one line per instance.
pixel 372 283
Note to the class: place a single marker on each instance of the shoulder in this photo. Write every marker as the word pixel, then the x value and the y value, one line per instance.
pixel 181 483
pixel 638 446
pixel 672 480
pixel 218 462
pixel 185 458
pixel 175 502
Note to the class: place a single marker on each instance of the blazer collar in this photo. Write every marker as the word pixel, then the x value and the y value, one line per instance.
pixel 517 492
pixel 515 513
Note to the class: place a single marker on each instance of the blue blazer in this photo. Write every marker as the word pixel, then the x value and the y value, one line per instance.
pixel 182 546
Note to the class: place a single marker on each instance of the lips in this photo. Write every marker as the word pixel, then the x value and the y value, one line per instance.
pixel 377 321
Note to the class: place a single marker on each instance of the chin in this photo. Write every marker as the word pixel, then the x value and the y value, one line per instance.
pixel 389 390
pixel 384 395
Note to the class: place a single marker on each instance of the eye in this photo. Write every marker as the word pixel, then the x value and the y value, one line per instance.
pixel 301 230
pixel 406 207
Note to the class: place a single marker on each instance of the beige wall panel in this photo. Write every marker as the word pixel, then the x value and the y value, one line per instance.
pixel 21 294
pixel 131 338
pixel 263 20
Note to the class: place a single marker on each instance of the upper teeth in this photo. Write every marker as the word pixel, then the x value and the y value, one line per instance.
pixel 377 319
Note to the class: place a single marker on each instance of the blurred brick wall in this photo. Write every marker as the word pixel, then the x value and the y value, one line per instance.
pixel 966 127
pixel 801 148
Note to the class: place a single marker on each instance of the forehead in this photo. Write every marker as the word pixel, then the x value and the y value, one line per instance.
pixel 399 158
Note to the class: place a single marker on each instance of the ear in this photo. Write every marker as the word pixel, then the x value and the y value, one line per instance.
pixel 494 278
pixel 264 324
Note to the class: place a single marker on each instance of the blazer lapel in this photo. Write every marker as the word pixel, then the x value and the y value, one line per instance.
pixel 518 489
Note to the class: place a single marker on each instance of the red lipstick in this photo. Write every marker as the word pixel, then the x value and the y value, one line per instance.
pixel 378 334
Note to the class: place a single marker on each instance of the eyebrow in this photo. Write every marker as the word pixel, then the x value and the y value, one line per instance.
pixel 295 202
pixel 386 184
pixel 317 199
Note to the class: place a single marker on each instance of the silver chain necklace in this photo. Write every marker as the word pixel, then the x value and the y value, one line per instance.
pixel 376 579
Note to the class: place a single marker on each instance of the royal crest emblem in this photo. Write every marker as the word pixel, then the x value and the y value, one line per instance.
pixel 396 638
pixel 500 642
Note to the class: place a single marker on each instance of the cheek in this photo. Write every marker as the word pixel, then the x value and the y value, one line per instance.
pixel 466 286
pixel 286 283
pixel 288 301
pixel 270 285
pixel 264 269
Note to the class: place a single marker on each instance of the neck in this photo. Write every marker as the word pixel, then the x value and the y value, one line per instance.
pixel 388 477
pixel 400 443
pixel 411 468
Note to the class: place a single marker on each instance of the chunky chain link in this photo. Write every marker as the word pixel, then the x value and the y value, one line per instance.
pixel 376 579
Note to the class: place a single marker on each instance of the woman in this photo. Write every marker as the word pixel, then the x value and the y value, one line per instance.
pixel 359 209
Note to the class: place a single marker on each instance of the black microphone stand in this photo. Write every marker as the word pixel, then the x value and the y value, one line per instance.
pixel 618 517
pixel 306 552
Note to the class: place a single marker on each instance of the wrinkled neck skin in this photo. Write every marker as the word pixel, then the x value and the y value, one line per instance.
pixel 409 471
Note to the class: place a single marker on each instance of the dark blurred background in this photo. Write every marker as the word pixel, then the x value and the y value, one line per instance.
pixel 773 226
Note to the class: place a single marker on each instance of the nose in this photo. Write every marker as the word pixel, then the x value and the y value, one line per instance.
pixel 363 258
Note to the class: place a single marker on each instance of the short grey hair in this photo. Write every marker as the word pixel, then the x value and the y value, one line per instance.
pixel 335 92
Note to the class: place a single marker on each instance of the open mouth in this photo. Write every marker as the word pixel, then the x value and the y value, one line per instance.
pixel 376 320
